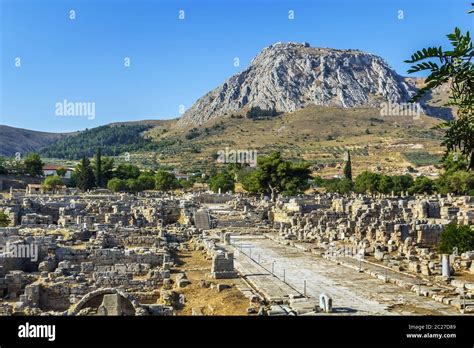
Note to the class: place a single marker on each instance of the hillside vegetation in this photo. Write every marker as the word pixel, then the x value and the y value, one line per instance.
pixel 13 140
pixel 316 134
pixel 319 135
pixel 113 140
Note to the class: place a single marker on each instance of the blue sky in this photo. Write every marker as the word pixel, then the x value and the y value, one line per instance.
pixel 173 61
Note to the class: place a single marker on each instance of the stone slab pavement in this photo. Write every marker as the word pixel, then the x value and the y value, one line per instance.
pixel 353 293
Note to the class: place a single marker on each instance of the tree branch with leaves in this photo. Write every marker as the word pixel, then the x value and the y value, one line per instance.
pixel 453 67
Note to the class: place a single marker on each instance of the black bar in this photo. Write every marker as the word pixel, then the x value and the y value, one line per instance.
pixel 260 330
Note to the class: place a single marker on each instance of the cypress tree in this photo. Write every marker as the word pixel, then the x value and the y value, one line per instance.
pixel 98 174
pixel 348 167
pixel 84 175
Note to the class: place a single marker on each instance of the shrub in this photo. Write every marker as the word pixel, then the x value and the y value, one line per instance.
pixel 52 182
pixel 116 185
pixel 367 182
pixel 222 181
pixel 422 184
pixel 454 236
pixel 165 181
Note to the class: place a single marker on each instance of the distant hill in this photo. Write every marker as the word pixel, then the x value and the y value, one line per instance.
pixel 113 139
pixel 13 140
pixel 317 134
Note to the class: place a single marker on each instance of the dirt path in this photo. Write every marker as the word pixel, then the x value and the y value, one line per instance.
pixel 229 301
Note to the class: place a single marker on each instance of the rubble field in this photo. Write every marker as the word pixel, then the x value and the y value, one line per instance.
pixel 201 253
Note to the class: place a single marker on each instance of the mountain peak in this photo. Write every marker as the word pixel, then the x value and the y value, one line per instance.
pixel 289 76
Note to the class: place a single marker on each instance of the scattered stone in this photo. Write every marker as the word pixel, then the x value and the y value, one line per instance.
pixel 197 311
pixel 221 287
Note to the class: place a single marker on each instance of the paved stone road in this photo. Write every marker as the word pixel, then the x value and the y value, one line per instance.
pixel 352 292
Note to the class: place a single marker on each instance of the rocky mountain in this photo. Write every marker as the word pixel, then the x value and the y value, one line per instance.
pixel 290 76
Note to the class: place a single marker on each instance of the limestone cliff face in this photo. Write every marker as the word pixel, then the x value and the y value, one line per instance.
pixel 289 76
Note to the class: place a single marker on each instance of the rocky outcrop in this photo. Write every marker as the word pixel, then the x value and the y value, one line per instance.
pixel 289 76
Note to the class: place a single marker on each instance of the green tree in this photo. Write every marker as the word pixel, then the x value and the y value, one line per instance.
pixel 234 169
pixel 4 220
pixel 33 165
pixel 107 168
pixel 345 186
pixel 454 162
pixel 348 167
pixel 116 185
pixel 385 184
pixel 186 184
pixel 460 182
pixel 318 181
pixel 223 181
pixel 367 182
pixel 165 181
pixel 84 175
pixel 422 184
pixel 252 182
pixel 454 236
pixel 146 181
pixel 256 112
pixel 274 175
pixel 133 185
pixel 127 171
pixel 16 167
pixel 401 183
pixel 98 174
pixel 61 172
pixel 3 166
pixel 52 183
pixel 341 186
pixel 456 69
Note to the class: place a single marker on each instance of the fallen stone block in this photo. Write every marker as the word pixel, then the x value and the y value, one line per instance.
pixel 414 267
pixel 457 283
pixel 183 283
pixel 277 310
pixel 425 270
pixel 469 286
pixel 468 255
pixel 221 287
pixel 303 306
pixel 197 311
pixel 204 283
pixel 252 310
